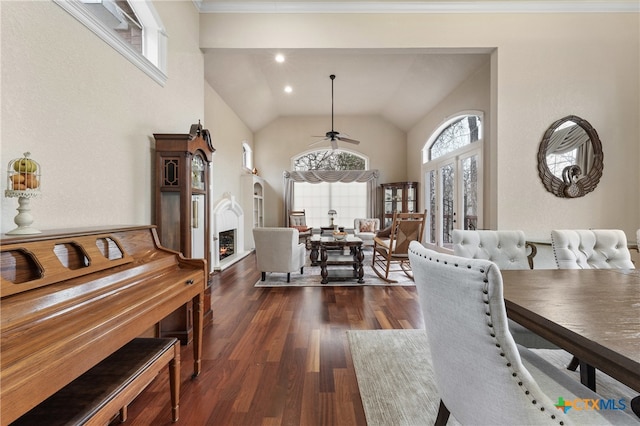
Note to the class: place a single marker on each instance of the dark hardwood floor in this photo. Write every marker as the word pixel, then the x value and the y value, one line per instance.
pixel 277 356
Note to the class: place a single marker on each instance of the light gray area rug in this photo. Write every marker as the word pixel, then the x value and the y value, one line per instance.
pixel 396 381
pixel 311 277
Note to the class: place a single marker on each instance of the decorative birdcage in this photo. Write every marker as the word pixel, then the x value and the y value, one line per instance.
pixel 23 182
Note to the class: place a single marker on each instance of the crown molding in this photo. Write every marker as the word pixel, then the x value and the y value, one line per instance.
pixel 506 6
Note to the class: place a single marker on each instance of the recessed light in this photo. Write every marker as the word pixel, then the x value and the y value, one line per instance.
pixel 280 58
pixel 288 89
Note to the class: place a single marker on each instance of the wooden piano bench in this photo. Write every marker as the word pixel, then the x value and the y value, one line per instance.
pixel 103 393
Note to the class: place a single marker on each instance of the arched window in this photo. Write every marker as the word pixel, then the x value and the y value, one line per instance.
pixel 327 159
pixel 452 170
pixel 247 156
pixel 457 133
pixel 326 179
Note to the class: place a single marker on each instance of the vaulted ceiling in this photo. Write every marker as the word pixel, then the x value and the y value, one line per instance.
pixel 399 85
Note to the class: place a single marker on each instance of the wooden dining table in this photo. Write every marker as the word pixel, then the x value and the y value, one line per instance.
pixel 592 313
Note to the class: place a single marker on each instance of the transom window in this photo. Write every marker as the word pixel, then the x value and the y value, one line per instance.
pixel 120 17
pixel 328 159
pixel 133 28
pixel 461 132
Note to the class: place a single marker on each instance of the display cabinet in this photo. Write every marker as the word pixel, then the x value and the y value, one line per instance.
pixel 398 196
pixel 182 198
pixel 253 205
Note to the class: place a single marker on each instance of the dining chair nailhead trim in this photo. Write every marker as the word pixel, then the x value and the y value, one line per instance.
pixel 485 291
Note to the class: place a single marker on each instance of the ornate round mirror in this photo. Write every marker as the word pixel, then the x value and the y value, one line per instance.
pixel 570 159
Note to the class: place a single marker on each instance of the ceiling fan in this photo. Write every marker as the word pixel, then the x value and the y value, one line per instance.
pixel 334 136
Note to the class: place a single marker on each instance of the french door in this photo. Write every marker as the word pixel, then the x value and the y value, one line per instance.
pixel 453 190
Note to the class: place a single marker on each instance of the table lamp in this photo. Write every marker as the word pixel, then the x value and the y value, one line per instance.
pixel 332 213
pixel 23 182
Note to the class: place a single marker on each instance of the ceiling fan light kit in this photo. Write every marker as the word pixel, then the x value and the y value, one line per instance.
pixel 333 135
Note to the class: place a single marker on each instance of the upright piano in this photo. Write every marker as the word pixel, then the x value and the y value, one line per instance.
pixel 71 298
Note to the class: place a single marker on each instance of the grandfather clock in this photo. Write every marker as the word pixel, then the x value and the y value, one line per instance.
pixel 182 211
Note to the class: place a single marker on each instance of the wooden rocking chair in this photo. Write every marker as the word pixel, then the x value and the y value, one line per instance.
pixel 406 227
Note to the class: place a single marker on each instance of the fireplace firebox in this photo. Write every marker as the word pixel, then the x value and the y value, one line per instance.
pixel 227 243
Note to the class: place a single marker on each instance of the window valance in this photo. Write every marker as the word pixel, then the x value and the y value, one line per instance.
pixel 317 176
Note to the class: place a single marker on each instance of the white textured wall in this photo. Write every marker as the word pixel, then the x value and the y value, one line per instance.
pixel 544 67
pixel 588 66
pixel 227 134
pixel 88 115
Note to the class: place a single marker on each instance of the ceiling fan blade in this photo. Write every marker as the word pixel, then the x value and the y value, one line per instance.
pixel 349 140
pixel 318 142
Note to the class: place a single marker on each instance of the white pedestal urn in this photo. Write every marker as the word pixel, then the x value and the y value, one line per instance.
pixel 23 182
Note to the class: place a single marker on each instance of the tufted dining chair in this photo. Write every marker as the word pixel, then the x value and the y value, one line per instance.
pixel 482 376
pixel 591 249
pixel 509 250
pixel 506 248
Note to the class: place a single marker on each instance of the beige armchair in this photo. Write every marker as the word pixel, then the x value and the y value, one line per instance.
pixel 366 229
pixel 279 250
